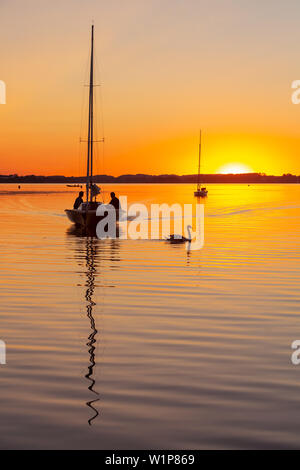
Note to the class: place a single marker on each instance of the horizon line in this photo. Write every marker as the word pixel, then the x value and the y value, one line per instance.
pixel 252 173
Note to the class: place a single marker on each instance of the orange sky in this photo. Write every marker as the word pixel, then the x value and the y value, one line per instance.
pixel 166 69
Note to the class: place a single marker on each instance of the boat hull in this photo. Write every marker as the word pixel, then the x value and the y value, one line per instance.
pixel 76 217
pixel 200 193
pixel 86 219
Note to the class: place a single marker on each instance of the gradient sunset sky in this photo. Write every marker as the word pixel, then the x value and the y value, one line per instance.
pixel 167 68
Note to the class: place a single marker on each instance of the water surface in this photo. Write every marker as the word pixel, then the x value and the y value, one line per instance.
pixel 124 344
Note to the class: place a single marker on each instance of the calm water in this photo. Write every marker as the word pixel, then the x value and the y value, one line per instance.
pixel 123 344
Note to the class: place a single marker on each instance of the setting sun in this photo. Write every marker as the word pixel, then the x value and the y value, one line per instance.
pixel 235 168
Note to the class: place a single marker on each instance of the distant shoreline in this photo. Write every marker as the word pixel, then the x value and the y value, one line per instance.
pixel 159 179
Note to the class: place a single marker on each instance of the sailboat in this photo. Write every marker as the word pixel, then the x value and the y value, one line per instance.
pixel 201 191
pixel 86 214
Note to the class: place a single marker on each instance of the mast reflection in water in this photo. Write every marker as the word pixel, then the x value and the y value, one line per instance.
pixel 91 273
pixel 87 255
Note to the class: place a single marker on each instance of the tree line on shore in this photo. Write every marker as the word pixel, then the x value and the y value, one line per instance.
pixel 142 178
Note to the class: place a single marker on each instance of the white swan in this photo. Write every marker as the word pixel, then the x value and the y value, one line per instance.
pixel 179 238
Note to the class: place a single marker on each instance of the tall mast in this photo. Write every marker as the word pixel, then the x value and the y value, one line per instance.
pixel 91 124
pixel 198 178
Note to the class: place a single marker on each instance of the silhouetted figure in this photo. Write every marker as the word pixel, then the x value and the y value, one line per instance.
pixel 78 200
pixel 19 187
pixel 115 201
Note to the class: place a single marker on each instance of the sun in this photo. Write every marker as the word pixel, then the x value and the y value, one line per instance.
pixel 234 168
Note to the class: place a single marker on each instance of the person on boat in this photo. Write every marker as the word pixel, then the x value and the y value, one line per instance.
pixel 115 201
pixel 78 200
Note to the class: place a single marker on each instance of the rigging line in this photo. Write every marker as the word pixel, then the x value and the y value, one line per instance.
pixel 82 114
pixel 97 139
pixel 91 127
pixel 98 71
pixel 99 67
pixel 96 132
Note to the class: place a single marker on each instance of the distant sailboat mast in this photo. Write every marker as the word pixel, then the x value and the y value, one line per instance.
pixel 200 192
pixel 90 149
pixel 199 168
